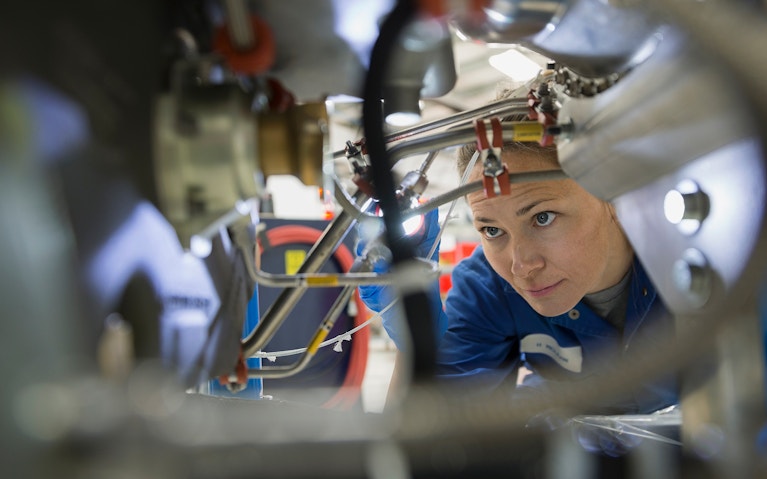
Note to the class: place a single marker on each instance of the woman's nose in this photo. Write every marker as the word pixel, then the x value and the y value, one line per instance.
pixel 525 259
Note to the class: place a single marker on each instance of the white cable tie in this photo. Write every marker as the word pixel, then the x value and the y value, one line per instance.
pixel 273 355
pixel 338 347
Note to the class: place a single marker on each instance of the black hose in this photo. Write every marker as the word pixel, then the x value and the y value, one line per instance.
pixel 416 303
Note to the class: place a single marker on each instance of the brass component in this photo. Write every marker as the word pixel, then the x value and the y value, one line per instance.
pixel 293 142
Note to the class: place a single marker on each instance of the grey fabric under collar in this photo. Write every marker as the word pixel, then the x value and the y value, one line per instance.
pixel 610 303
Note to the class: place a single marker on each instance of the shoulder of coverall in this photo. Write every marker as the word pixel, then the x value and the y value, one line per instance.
pixel 477 269
pixel 479 292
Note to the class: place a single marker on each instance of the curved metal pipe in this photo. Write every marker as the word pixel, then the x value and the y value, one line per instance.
pixel 238 20
pixel 322 280
pixel 497 108
pixel 339 227
pixel 456 137
pixel 286 301
pixel 300 364
pixel 506 106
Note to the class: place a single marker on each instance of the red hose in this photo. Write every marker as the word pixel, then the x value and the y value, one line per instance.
pixel 349 391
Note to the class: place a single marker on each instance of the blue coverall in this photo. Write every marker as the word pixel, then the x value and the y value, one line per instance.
pixel 487 331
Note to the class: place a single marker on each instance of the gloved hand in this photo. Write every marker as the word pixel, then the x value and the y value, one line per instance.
pixel 378 297
pixel 605 438
pixel 604 435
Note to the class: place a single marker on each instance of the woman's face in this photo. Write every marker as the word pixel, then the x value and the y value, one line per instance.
pixel 552 241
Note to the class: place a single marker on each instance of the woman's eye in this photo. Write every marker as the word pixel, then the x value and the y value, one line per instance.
pixel 491 232
pixel 545 218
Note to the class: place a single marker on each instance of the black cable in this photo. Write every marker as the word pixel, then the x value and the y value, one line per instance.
pixel 416 303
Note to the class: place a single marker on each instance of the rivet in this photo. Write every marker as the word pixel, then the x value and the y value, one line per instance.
pixel 691 275
pixel 686 206
pixel 574 314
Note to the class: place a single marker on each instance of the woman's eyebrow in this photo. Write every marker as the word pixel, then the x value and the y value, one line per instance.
pixel 526 209
pixel 482 219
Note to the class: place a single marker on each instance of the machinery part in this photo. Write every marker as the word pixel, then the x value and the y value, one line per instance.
pixel 577 86
pixel 495 173
pixel 497 108
pixel 416 303
pixel 213 152
pixel 615 147
pixel 508 107
pixel 349 391
pixel 326 280
pixel 273 318
pixel 205 152
pixel 433 426
pixel 686 206
pixel 724 392
pixel 240 29
pixel 580 34
pixel 512 131
pixel 336 230
pixel 509 21
pixel 422 66
pixel 311 349
pixel 691 274
pixel 544 106
pixel 293 142
pixel 245 41
pixel 731 176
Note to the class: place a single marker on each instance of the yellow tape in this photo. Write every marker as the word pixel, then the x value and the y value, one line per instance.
pixel 322 281
pixel 317 340
pixel 527 131
pixel 294 258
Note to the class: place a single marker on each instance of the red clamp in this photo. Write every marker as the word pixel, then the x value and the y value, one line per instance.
pixel 356 152
pixel 495 172
pixel 545 118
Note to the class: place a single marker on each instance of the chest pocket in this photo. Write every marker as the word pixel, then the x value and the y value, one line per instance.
pixel 569 358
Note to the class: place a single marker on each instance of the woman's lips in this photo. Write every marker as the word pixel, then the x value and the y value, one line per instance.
pixel 538 293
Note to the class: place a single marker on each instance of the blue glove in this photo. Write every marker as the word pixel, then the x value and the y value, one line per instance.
pixel 377 297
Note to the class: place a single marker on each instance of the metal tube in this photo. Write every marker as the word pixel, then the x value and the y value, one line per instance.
pixel 274 317
pixel 238 20
pixel 311 350
pixel 508 106
pixel 335 232
pixel 427 162
pixel 439 141
pixel 201 243
pixel 349 204
pixel 322 280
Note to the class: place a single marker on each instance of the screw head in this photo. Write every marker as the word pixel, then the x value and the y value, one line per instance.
pixel 691 276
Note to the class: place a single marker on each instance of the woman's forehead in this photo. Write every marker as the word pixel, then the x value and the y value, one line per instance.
pixel 522 193
pixel 522 161
pixel 526 161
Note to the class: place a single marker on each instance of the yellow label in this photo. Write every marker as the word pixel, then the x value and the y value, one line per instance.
pixel 314 345
pixel 294 258
pixel 527 131
pixel 322 281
